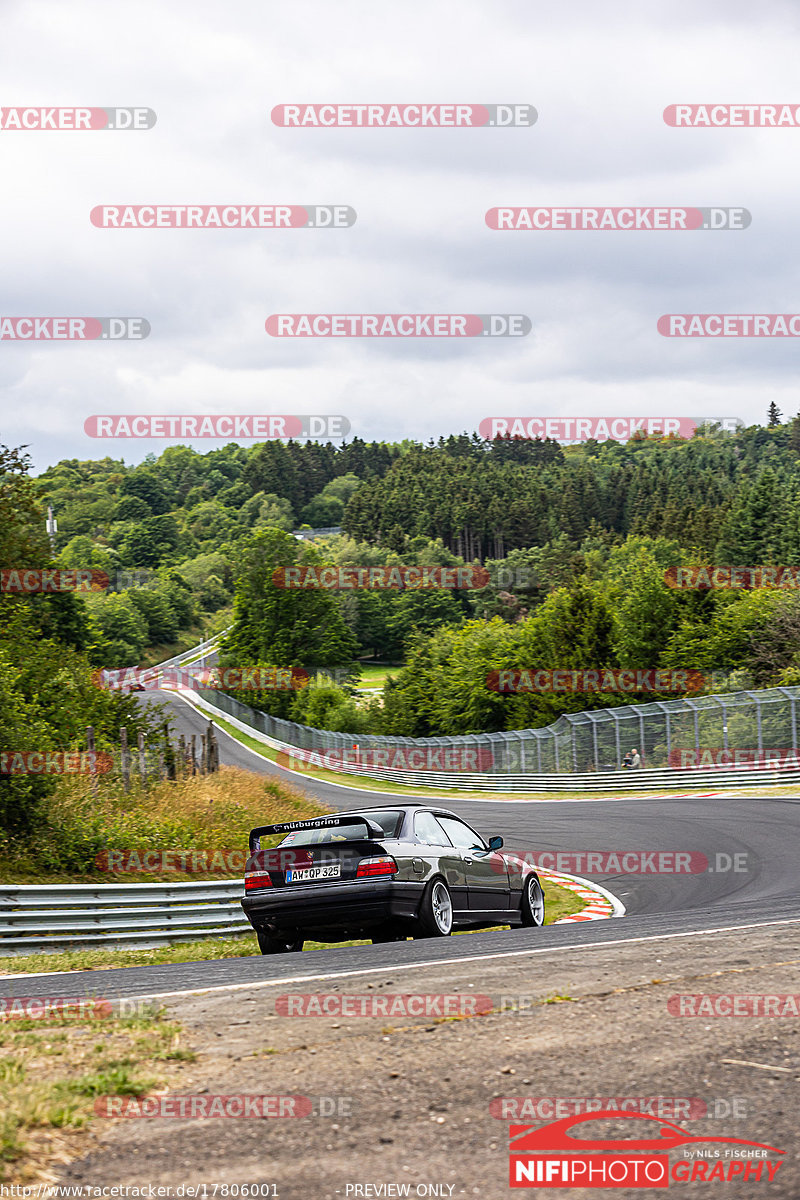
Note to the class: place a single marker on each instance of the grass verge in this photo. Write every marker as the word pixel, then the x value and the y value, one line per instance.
pixel 52 1071
pixel 375 677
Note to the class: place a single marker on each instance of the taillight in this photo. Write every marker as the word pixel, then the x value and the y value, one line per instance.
pixel 256 879
pixel 382 864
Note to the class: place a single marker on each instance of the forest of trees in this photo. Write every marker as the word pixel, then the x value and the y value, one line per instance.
pixel 47 693
pixel 731 496
pixel 727 494
pixel 576 540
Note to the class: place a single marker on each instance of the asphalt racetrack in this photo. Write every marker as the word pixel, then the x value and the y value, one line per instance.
pixel 750 844
pixel 578 1010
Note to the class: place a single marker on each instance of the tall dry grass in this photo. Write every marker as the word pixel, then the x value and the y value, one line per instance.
pixel 197 812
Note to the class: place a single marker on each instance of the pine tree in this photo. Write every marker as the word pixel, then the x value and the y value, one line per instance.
pixel 794 435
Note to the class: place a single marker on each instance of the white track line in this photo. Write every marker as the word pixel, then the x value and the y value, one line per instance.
pixel 442 962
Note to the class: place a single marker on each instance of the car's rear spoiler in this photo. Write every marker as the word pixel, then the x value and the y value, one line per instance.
pixel 318 823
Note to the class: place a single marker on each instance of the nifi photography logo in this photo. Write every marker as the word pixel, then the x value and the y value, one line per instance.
pixel 554 1156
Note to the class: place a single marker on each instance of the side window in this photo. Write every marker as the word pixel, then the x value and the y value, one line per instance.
pixel 461 835
pixel 428 829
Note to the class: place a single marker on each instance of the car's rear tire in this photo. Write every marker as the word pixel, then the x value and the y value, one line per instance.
pixel 268 944
pixel 532 904
pixel 435 911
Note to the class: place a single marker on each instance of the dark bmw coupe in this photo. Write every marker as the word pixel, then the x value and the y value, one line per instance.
pixel 386 874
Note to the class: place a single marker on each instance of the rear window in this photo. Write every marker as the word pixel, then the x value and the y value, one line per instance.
pixel 388 820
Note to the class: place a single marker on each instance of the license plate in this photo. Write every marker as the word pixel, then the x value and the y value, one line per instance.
pixel 304 873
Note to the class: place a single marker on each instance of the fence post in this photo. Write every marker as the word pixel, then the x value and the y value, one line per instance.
pixel 194 753
pixel 169 753
pixel 142 763
pixel 126 769
pixel 91 748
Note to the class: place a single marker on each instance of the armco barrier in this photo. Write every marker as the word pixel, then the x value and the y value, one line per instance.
pixel 192 654
pixel 251 722
pixel 143 916
pixel 117 916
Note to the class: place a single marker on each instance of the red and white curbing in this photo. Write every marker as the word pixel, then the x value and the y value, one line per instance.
pixel 600 904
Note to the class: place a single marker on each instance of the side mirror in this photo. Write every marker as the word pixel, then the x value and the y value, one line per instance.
pixel 495 843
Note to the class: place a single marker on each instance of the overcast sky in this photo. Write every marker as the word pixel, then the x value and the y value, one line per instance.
pixel 599 75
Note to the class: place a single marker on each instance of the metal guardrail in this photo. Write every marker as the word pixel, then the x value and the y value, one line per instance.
pixel 117 916
pixel 305 535
pixel 643 779
pixel 192 653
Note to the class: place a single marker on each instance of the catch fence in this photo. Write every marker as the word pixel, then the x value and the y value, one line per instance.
pixel 739 731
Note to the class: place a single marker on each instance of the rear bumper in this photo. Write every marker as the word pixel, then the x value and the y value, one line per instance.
pixel 346 907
